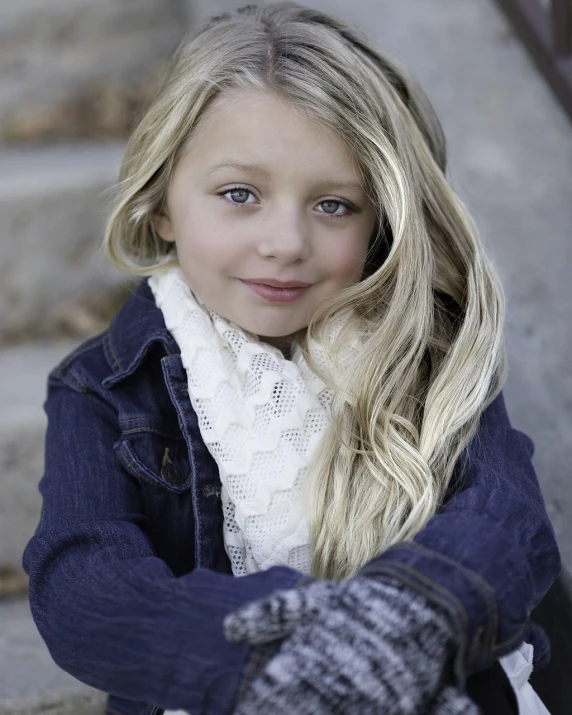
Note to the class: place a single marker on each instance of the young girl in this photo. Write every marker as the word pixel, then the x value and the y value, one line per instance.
pixel 296 499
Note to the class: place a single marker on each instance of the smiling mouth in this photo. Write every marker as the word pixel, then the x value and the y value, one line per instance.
pixel 276 295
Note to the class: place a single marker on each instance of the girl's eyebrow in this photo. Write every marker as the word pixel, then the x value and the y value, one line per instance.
pixel 348 185
pixel 235 165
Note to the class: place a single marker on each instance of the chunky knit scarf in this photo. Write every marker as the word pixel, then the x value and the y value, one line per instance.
pixel 260 416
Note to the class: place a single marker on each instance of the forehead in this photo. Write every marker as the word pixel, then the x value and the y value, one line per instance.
pixel 251 128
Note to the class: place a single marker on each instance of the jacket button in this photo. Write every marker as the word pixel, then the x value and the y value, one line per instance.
pixel 172 474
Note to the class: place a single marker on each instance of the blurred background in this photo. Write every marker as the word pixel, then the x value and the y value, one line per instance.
pixel 76 76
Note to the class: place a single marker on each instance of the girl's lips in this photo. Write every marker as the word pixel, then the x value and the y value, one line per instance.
pixel 276 295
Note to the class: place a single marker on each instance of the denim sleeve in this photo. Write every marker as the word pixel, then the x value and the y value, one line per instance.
pixel 111 613
pixel 489 555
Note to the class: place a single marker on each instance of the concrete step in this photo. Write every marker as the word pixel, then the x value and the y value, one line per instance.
pixel 50 51
pixel 23 376
pixel 52 215
pixel 30 682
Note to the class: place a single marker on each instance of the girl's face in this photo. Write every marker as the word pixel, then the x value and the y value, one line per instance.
pixel 264 192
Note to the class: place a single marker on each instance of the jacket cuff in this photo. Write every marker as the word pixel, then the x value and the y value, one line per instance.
pixel 476 615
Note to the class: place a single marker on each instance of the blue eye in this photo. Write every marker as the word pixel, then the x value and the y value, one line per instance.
pixel 236 190
pixel 239 197
pixel 336 204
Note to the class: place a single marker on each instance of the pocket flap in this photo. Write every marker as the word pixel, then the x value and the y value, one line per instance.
pixel 156 460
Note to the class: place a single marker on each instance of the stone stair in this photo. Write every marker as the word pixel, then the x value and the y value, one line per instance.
pixel 51 52
pixel 30 682
pixel 74 77
pixel 53 202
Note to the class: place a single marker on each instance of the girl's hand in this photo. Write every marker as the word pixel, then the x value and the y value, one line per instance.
pixel 364 645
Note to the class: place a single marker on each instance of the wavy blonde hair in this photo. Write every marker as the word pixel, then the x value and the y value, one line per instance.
pixel 429 308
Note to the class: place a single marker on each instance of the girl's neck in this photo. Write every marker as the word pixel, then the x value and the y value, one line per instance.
pixel 284 344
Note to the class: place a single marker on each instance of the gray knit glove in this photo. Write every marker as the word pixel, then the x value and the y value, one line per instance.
pixel 363 646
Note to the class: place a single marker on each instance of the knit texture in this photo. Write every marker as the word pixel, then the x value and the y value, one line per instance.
pixel 356 647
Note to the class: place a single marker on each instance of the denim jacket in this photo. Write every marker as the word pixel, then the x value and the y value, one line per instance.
pixel 129 578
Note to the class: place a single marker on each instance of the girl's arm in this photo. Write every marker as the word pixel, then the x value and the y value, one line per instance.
pixel 490 553
pixel 486 558
pixel 111 613
pixel 424 613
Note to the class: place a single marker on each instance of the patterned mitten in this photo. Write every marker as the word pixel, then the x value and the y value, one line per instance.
pixel 356 647
pixel 451 701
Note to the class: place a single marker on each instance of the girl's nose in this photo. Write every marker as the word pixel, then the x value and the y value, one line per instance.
pixel 285 236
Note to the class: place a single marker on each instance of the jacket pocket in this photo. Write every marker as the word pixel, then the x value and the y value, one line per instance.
pixel 156 459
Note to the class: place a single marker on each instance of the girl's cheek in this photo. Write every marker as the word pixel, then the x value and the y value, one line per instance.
pixel 342 258
pixel 210 247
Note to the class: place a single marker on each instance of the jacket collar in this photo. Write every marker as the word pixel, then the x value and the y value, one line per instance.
pixel 137 325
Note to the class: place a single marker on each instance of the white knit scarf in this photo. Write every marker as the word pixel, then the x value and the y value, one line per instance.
pixel 260 415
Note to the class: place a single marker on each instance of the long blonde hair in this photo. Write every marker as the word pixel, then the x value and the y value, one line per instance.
pixel 429 308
